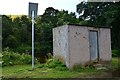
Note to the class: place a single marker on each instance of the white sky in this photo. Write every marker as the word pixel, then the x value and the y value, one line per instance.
pixel 19 7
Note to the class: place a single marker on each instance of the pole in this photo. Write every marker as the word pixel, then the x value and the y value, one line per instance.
pixel 32 40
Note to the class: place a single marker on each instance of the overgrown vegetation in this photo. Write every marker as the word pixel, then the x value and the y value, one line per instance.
pixel 11 58
pixel 54 69
pixel 53 63
pixel 115 53
pixel 17 36
pixel 17 32
pixel 102 14
pixel 87 68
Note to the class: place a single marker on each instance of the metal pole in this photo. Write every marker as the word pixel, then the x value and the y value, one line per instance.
pixel 32 40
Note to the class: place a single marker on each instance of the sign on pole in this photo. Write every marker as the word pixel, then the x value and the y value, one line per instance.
pixel 33 7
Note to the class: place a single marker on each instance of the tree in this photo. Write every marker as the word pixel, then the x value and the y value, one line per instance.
pixel 46 22
pixel 7 30
pixel 102 14
pixel 12 42
pixel 18 31
pixel 65 18
pixel 22 32
pixel 50 16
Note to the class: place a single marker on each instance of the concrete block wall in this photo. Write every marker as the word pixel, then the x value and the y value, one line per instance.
pixel 60 44
pixel 105 44
pixel 71 44
pixel 78 45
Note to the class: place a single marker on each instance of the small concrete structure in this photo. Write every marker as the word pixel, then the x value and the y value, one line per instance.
pixel 81 45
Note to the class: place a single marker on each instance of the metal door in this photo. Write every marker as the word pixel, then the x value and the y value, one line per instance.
pixel 93 40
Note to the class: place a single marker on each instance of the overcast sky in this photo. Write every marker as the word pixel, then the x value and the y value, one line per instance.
pixel 18 7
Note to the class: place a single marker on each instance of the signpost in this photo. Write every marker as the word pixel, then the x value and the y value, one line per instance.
pixel 33 7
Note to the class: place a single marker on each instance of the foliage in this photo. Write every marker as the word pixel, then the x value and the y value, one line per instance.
pixel 11 58
pixel 65 18
pixel 116 53
pixel 7 29
pixel 23 48
pixel 46 22
pixel 12 41
pixel 17 31
pixel 80 68
pixel 23 71
pixel 53 63
pixel 102 14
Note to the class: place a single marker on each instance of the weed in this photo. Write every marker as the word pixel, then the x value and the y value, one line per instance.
pixel 116 53
pixel 11 58
pixel 53 63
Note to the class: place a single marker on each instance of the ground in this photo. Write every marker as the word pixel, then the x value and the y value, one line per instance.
pixel 24 71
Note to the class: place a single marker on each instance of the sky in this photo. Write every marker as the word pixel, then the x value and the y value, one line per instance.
pixel 20 7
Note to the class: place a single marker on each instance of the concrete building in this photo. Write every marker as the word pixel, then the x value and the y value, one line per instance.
pixel 81 45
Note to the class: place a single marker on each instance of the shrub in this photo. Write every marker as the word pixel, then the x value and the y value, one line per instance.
pixel 61 68
pixel 42 57
pixel 77 68
pixel 53 63
pixel 41 66
pixel 81 68
pixel 23 49
pixel 26 58
pixel 12 58
pixel 116 53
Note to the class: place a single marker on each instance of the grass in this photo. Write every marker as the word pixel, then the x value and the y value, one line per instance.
pixel 24 71
pixel 115 63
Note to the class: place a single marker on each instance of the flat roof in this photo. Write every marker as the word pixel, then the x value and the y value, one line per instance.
pixel 90 26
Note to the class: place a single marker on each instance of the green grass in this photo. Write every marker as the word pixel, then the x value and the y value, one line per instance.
pixel 115 63
pixel 24 71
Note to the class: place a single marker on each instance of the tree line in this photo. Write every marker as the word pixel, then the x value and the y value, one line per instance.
pixel 17 32
pixel 102 14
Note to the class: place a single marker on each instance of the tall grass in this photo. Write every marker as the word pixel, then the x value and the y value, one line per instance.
pixel 54 63
pixel 12 58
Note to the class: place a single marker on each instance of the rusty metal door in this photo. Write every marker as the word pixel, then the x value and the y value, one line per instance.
pixel 93 40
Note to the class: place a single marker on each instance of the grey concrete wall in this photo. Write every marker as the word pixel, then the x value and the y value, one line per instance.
pixel 60 44
pixel 105 44
pixel 71 44
pixel 78 45
pixel 79 49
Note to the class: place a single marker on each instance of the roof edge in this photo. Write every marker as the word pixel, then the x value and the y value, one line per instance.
pixel 96 26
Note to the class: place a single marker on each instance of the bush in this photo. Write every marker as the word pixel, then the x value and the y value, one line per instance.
pixel 53 63
pixel 27 59
pixel 12 58
pixel 81 68
pixel 61 68
pixel 41 66
pixel 23 49
pixel 77 68
pixel 116 53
